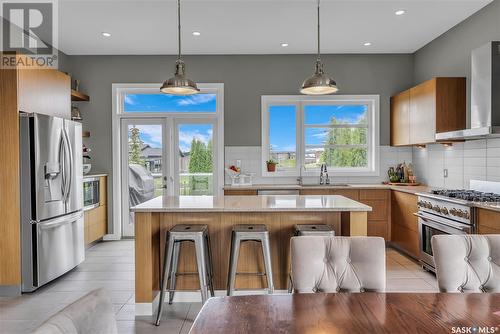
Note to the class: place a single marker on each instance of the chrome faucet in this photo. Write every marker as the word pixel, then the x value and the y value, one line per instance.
pixel 323 175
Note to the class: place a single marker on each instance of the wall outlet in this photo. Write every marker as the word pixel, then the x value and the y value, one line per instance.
pixel 445 172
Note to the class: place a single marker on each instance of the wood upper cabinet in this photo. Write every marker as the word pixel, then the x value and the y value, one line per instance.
pixel 434 106
pixel 45 91
pixel 400 119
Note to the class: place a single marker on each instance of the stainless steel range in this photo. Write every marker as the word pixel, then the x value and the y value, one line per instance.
pixel 450 212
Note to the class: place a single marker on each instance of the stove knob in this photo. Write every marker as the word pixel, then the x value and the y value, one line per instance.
pixel 436 208
pixel 428 205
pixel 453 211
pixel 466 215
pixel 420 203
pixel 460 213
pixel 444 211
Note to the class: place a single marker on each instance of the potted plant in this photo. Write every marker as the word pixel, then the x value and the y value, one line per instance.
pixel 271 165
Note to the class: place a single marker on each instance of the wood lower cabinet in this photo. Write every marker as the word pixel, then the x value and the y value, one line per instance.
pixel 434 106
pixel 379 199
pixel 379 219
pixel 240 192
pixel 404 224
pixel 96 223
pixel 488 221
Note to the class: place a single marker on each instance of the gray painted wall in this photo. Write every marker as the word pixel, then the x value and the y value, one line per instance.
pixel 449 54
pixel 245 79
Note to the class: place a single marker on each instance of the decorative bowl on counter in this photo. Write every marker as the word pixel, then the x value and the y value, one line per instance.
pixel 86 168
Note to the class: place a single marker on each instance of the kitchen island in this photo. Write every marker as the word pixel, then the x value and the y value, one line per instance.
pixel 279 213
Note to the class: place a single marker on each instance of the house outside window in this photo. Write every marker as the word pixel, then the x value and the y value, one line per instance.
pixel 341 131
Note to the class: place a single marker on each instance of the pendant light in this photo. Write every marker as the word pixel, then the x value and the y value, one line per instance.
pixel 319 83
pixel 179 84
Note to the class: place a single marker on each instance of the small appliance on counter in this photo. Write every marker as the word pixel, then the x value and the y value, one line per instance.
pixel 52 227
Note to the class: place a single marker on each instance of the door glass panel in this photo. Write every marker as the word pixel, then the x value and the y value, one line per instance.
pixel 196 159
pixel 145 162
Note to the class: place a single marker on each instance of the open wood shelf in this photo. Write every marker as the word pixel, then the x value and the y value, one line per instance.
pixel 85 134
pixel 79 96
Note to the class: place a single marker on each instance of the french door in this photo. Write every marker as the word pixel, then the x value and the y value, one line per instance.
pixel 166 156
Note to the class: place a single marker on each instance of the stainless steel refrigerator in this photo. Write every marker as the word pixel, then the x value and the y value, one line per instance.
pixel 52 227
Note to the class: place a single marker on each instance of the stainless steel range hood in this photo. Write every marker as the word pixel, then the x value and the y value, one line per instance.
pixel 485 96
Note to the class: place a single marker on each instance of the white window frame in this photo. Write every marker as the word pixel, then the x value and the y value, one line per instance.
pixel 118 95
pixel 373 137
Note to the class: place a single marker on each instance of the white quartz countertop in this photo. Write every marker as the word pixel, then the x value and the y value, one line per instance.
pixel 250 203
pixel 334 186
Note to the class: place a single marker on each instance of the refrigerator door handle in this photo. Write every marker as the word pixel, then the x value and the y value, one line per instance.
pixel 69 151
pixel 60 220
pixel 62 163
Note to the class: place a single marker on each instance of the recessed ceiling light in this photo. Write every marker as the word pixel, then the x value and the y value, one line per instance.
pixel 367 44
pixel 400 12
pixel 284 45
pixel 106 34
pixel 196 33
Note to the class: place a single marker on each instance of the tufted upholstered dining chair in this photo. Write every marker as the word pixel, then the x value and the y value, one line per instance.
pixel 338 264
pixel 467 263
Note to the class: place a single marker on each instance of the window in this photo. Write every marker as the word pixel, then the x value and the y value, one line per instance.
pixel 306 132
pixel 160 103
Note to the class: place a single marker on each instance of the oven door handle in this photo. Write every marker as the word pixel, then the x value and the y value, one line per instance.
pixel 463 229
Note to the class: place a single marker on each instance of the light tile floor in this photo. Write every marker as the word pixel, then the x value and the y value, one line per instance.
pixel 111 265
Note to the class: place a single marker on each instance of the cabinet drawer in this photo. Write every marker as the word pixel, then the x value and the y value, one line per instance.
pixel 240 192
pixel 314 192
pixel 380 210
pixel 488 221
pixel 349 193
pixel 382 194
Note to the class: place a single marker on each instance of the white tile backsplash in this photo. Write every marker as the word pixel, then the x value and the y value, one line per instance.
pixel 470 160
pixel 250 157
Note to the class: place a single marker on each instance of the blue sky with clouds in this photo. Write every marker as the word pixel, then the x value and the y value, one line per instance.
pixel 282 121
pixel 151 134
pixel 173 103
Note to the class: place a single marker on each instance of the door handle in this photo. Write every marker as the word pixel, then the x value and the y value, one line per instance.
pixel 427 219
pixel 70 158
pixel 60 220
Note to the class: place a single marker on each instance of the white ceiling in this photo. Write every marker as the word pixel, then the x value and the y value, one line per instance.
pixel 255 26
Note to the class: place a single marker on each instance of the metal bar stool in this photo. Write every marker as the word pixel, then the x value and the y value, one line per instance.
pixel 310 229
pixel 242 233
pixel 178 234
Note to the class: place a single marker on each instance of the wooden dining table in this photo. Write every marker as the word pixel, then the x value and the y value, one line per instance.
pixel 351 313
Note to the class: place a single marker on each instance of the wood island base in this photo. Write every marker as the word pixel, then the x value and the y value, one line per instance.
pixel 150 233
